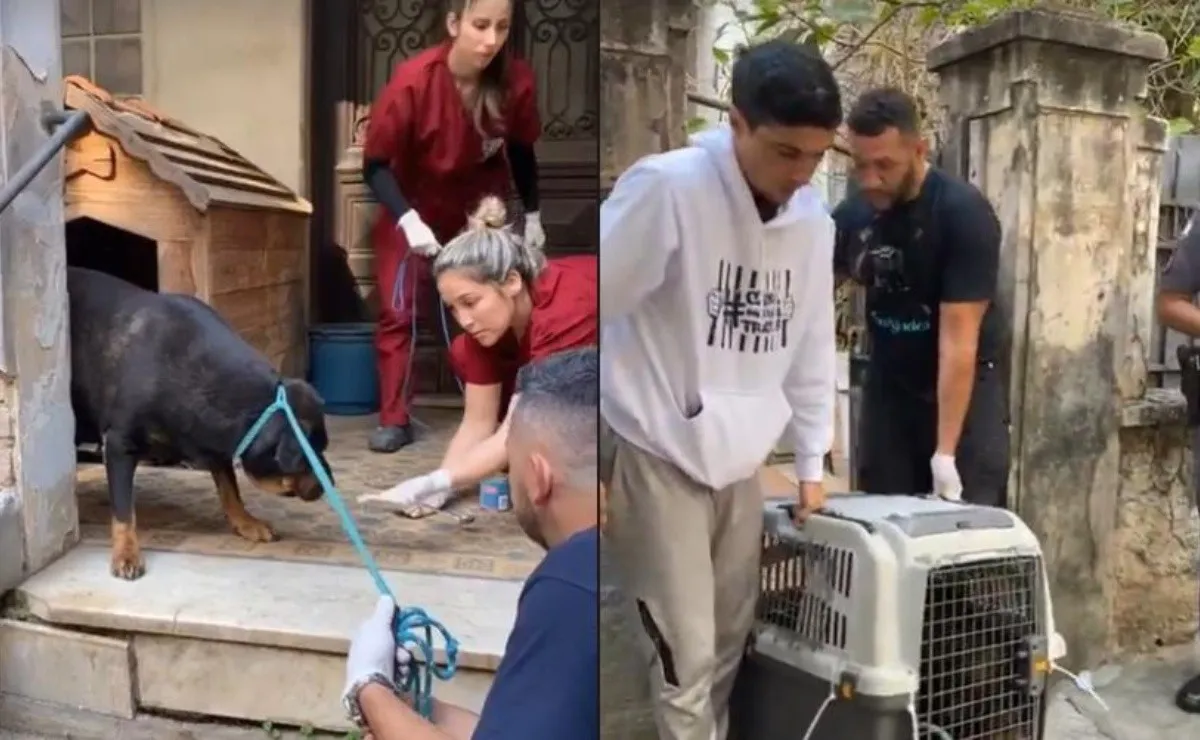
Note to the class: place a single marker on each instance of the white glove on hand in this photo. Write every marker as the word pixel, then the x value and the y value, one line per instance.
pixel 431 490
pixel 535 235
pixel 373 652
pixel 946 483
pixel 420 238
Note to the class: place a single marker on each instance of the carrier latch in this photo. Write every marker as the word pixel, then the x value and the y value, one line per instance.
pixel 1032 666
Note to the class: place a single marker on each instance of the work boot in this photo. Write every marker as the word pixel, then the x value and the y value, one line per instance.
pixel 1188 698
pixel 390 439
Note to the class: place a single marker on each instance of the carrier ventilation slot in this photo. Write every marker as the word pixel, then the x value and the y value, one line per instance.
pixel 800 585
pixel 979 619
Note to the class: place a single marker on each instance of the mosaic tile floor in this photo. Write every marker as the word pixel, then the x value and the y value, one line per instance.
pixel 178 511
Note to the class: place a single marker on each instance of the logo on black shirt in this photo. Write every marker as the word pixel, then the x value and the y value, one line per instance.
pixel 750 310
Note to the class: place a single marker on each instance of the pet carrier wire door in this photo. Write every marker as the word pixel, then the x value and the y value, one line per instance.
pixel 892 602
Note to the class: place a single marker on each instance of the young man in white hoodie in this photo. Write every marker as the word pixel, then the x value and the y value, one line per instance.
pixel 717 337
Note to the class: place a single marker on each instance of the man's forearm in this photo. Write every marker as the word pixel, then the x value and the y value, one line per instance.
pixel 1180 314
pixel 956 377
pixel 389 718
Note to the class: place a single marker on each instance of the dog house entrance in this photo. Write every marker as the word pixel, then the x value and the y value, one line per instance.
pixel 98 246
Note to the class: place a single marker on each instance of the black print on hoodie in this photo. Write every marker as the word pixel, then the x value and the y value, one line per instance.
pixel 750 310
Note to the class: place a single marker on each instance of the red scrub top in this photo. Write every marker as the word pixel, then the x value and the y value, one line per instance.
pixel 420 125
pixel 564 317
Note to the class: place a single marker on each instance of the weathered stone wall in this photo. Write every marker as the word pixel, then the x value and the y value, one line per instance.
pixel 38 515
pixel 645 56
pixel 1043 114
pixel 1156 541
pixel 645 48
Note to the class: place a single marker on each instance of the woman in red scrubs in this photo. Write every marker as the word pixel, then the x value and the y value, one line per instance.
pixel 515 307
pixel 451 126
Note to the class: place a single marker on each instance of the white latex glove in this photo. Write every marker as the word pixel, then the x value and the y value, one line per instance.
pixel 535 235
pixel 420 238
pixel 946 483
pixel 431 490
pixel 373 653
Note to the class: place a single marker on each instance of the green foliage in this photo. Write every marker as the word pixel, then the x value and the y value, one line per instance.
pixel 886 40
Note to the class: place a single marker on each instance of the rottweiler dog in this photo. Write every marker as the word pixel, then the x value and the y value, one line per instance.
pixel 160 376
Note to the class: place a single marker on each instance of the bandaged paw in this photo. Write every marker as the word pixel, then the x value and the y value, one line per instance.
pixel 431 490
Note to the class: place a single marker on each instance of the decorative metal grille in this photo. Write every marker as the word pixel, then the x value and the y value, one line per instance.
pixel 391 31
pixel 560 39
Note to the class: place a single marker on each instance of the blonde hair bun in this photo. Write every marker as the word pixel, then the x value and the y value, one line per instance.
pixel 490 214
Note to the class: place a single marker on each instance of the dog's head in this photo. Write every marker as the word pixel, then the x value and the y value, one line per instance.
pixel 275 461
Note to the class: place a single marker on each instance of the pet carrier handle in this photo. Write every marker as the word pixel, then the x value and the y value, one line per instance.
pixel 783 517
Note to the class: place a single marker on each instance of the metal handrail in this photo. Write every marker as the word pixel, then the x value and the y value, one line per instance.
pixel 68 127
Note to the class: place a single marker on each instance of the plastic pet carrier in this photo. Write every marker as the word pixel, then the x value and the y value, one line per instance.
pixel 894 617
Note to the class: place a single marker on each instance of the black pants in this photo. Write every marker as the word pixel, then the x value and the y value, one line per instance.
pixel 897 436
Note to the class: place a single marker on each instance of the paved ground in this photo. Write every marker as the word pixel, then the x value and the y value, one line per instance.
pixel 1140 697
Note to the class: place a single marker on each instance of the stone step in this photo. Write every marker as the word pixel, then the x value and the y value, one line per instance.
pixel 224 637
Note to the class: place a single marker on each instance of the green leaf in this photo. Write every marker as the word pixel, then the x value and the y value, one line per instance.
pixel 766 23
pixel 697 124
pixel 929 15
pixel 721 56
pixel 1180 127
pixel 1193 48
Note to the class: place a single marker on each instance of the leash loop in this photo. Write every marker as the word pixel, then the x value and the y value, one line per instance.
pixel 412 626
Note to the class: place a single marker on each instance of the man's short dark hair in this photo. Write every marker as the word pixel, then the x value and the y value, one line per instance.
pixel 877 110
pixel 559 406
pixel 779 83
pixel 571 376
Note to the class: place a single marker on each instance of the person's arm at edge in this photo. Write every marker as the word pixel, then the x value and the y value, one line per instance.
pixel 971 238
pixel 638 237
pixel 811 383
pixel 1179 283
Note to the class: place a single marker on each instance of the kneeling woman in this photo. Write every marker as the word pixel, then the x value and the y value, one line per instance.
pixel 514 307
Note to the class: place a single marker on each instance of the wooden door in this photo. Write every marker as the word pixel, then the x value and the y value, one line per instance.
pixel 355 48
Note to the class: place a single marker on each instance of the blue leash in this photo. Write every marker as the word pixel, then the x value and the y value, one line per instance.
pixel 411 625
pixel 398 299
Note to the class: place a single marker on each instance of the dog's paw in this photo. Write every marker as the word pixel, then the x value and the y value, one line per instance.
pixel 254 530
pixel 128 564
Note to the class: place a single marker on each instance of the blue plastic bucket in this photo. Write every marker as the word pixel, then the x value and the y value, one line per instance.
pixel 342 368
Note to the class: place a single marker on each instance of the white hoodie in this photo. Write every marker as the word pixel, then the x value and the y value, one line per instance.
pixel 717 330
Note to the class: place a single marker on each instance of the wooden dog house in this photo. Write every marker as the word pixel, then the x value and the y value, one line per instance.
pixel 221 229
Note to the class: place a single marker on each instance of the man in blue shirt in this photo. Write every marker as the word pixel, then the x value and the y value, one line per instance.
pixel 547 685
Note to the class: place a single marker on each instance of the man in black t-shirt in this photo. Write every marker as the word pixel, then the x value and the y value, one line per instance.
pixel 926 247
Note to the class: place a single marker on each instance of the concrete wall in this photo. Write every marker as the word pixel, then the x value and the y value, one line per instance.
pixel 1157 535
pixel 38 515
pixel 1042 114
pixel 236 69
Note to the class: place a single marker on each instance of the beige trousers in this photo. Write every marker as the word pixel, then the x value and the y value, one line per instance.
pixel 687 556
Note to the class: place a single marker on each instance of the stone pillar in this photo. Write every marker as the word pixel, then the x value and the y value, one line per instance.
pixel 1043 115
pixel 38 515
pixel 644 55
